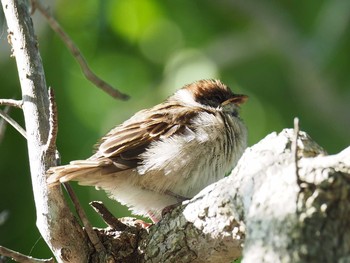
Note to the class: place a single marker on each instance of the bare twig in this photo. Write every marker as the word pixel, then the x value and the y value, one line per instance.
pixel 295 147
pixel 22 258
pixel 4 215
pixel 3 123
pixel 51 140
pixel 78 55
pixel 14 124
pixel 107 216
pixel 11 102
pixel 32 7
pixel 81 213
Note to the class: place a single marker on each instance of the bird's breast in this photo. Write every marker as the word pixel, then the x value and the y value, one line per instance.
pixel 186 163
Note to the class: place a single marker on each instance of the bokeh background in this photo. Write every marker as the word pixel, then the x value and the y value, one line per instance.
pixel 291 57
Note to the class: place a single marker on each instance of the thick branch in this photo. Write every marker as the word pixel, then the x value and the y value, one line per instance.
pixel 263 205
pixel 54 220
pixel 286 219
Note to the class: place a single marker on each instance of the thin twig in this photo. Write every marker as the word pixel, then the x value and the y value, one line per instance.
pixel 22 258
pixel 107 216
pixel 14 124
pixel 78 55
pixel 32 7
pixel 3 123
pixel 96 242
pixel 295 147
pixel 11 102
pixel 51 140
pixel 4 215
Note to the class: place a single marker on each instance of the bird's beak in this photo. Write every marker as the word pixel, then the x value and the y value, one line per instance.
pixel 237 99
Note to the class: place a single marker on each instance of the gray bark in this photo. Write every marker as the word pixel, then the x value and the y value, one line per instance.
pixel 54 220
pixel 272 208
pixel 293 215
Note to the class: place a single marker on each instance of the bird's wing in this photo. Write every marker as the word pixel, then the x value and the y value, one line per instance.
pixel 124 144
pixel 121 148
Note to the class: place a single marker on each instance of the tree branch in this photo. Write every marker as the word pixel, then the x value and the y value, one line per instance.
pixel 50 146
pixel 3 125
pixel 261 206
pixel 12 103
pixel 22 258
pixel 55 221
pixel 83 218
pixel 109 219
pixel 13 123
pixel 88 73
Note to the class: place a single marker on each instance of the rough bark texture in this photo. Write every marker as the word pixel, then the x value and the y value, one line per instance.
pixel 280 209
pixel 49 202
pixel 293 215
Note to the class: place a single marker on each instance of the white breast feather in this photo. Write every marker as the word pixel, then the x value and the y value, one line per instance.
pixel 196 160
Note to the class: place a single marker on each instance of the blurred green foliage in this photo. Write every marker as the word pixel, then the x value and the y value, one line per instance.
pixel 290 57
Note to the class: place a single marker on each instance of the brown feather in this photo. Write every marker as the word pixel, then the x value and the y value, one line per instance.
pixel 121 148
pixel 124 144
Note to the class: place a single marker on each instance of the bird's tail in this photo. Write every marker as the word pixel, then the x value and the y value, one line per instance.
pixel 83 171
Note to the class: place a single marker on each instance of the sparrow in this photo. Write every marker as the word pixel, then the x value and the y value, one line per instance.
pixel 168 153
